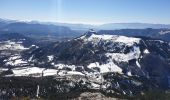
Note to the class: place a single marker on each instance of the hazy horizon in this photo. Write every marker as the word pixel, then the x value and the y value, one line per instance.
pixel 94 12
pixel 53 22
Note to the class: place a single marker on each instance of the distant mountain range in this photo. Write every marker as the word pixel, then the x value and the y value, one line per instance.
pixel 107 26
pixel 54 31
pixel 36 29
pixel 163 34
pixel 112 26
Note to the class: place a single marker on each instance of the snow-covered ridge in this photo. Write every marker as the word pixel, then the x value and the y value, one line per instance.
pixel 104 68
pixel 114 38
pixel 121 57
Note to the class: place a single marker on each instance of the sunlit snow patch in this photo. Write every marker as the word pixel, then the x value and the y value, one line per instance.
pixel 108 67
pixel 11 45
pixel 15 60
pixel 114 38
pixel 121 57
pixel 146 51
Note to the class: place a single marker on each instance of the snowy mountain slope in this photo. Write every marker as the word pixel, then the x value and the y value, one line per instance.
pixel 127 65
pixel 11 47
pixel 107 53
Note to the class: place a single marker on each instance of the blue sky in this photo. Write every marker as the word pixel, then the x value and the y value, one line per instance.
pixel 87 11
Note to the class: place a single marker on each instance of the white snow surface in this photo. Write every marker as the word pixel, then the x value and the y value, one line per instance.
pixel 114 38
pixel 74 73
pixel 15 60
pixel 38 72
pixel 3 69
pixel 108 67
pixel 50 58
pixel 146 51
pixel 137 63
pixel 11 45
pixel 61 66
pixel 49 72
pixel 121 57
pixel 129 73
pixel 26 71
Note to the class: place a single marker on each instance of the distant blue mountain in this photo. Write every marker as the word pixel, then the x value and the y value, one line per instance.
pixel 66 30
pixel 163 34
pixel 35 29
pixel 112 26
pixel 85 27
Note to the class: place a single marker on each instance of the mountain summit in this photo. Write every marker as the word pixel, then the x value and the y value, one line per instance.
pixel 90 32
